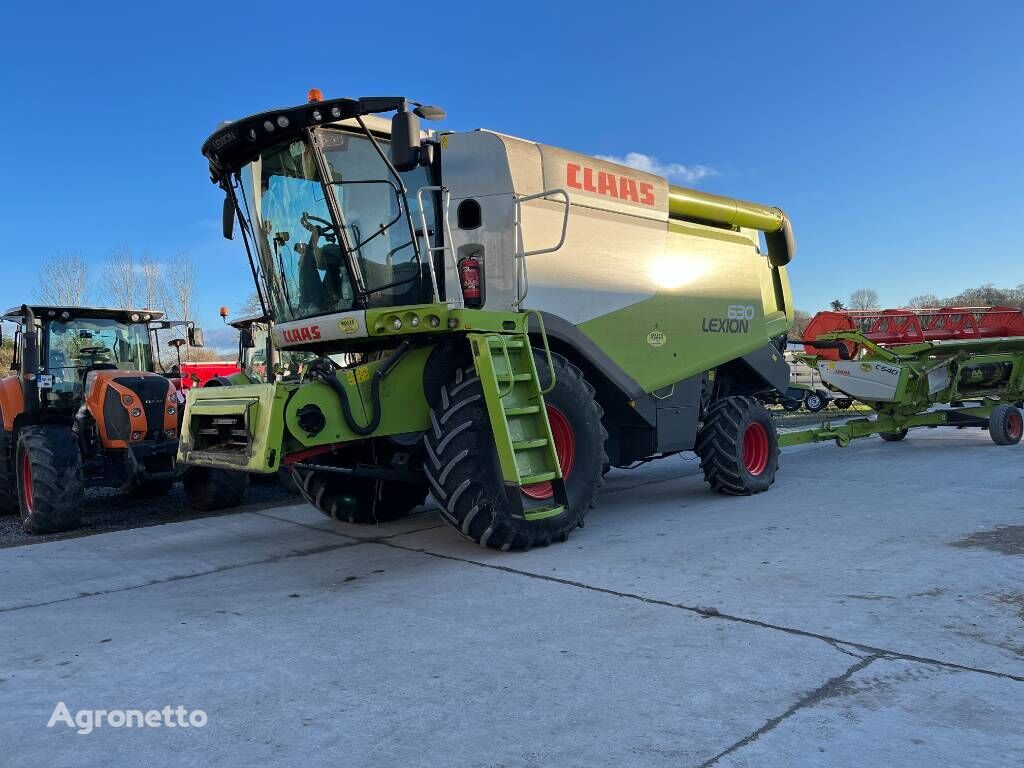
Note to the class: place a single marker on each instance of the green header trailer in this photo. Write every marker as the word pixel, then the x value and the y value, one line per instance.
pixel 494 321
pixel 957 366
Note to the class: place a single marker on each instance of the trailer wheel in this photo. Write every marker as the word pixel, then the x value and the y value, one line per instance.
pixel 738 447
pixel 814 402
pixel 893 437
pixel 843 403
pixel 1005 425
pixel 208 489
pixel 465 475
pixel 50 482
pixel 359 500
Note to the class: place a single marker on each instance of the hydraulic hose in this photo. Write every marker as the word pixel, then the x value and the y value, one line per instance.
pixel 323 370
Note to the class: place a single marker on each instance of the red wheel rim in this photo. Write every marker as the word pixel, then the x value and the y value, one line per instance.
pixel 26 482
pixel 1014 425
pixel 565 449
pixel 755 448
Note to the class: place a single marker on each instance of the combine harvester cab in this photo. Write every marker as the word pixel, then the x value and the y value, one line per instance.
pixel 494 321
pixel 903 363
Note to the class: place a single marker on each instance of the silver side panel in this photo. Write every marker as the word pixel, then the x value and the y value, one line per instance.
pixel 618 250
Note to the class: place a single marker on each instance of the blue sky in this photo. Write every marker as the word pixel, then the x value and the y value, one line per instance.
pixel 890 132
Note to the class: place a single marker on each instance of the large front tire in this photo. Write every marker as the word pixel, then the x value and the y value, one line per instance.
pixel 48 467
pixel 208 489
pixel 465 475
pixel 738 447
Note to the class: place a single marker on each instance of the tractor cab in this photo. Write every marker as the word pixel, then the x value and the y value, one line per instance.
pixel 72 342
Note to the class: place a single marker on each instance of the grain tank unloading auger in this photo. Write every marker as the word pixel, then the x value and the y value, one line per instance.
pixel 515 317
pixel 904 362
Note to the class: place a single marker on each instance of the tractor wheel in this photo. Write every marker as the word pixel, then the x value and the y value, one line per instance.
pixel 357 499
pixel 843 403
pixel 814 402
pixel 1005 425
pixel 738 447
pixel 893 437
pixel 152 489
pixel 50 483
pixel 208 489
pixel 465 475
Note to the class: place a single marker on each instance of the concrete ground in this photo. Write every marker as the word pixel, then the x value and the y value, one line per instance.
pixel 867 611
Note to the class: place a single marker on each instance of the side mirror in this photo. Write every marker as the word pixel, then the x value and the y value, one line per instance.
pixel 405 141
pixel 246 339
pixel 195 336
pixel 228 218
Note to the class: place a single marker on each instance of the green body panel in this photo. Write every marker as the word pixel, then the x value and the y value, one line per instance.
pixel 258 413
pixel 403 403
pixel 266 416
pixel 715 304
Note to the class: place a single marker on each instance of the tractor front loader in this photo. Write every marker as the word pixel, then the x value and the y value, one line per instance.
pixel 494 321
pixel 84 407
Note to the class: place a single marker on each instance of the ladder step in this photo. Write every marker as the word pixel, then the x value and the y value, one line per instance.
pixel 521 410
pixel 525 445
pixel 542 477
pixel 515 377
pixel 496 341
pixel 543 512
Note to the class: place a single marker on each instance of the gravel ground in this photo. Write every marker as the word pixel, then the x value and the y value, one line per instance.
pixel 108 510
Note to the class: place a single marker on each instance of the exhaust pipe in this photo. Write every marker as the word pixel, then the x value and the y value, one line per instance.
pixel 702 207
pixel 30 361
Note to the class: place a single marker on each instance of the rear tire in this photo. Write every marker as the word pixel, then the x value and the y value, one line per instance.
pixel 208 489
pixel 48 467
pixel 1005 425
pixel 465 475
pixel 894 437
pixel 738 447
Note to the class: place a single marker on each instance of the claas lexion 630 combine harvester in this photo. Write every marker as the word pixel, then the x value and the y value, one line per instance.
pixel 903 362
pixel 513 319
pixel 517 318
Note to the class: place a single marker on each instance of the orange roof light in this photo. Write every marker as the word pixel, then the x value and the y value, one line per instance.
pixel 314 95
pixel 223 311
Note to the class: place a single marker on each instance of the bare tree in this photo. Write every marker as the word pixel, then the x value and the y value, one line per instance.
pixel 251 306
pixel 181 281
pixel 120 280
pixel 153 285
pixel 800 320
pixel 924 301
pixel 864 298
pixel 63 281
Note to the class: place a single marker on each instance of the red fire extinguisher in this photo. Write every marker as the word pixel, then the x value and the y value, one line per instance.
pixel 469 276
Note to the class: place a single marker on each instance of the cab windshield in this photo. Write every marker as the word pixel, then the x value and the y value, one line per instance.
pixel 304 251
pixel 74 347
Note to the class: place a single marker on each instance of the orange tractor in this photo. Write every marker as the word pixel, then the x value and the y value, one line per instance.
pixel 83 407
